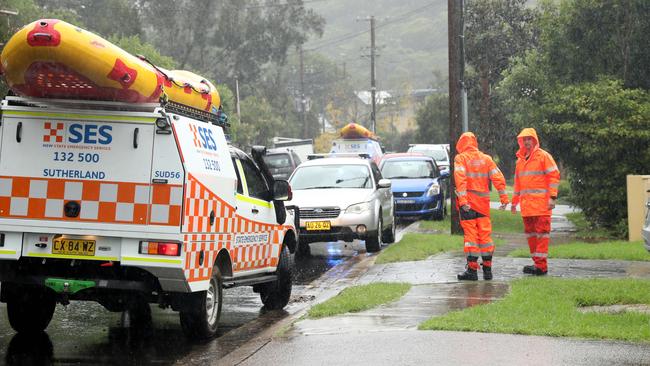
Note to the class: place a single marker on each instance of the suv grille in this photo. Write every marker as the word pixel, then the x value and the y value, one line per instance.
pixel 408 194
pixel 320 213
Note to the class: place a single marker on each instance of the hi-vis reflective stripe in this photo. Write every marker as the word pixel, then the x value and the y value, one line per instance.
pixel 460 168
pixel 152 260
pixel 539 255
pixel 99 201
pixel 551 169
pixel 253 200
pixel 477 175
pixel 471 245
pixel 533 191
pixel 461 193
pixel 54 115
pixel 493 171
pixel 86 257
pixel 5 252
pixel 480 194
pixel 531 172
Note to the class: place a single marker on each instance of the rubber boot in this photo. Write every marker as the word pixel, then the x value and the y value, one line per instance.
pixel 468 275
pixel 529 269
pixel 487 273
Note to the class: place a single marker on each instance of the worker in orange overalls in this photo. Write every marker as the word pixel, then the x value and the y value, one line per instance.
pixel 536 182
pixel 472 172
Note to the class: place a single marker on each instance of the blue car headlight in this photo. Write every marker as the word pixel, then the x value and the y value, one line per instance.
pixel 433 190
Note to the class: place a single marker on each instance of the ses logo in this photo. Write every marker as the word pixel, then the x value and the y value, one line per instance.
pixel 77 133
pixel 203 137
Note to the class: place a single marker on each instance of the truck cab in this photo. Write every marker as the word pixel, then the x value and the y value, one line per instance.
pixel 131 204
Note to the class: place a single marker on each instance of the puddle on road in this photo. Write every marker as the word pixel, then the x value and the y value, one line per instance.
pixel 418 305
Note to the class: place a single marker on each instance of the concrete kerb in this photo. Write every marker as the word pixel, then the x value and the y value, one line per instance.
pixel 325 287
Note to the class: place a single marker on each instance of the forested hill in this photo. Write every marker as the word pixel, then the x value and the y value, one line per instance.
pixel 411 36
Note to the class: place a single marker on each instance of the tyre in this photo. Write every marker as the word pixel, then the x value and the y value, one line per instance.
pixel 275 295
pixel 201 320
pixel 29 309
pixel 373 242
pixel 389 234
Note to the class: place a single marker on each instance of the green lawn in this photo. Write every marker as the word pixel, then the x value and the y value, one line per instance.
pixel 548 306
pixel 414 247
pixel 359 298
pixel 502 222
pixel 623 250
pixel 585 229
pixel 494 194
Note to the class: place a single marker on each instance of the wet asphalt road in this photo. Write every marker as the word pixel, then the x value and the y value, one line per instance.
pixel 84 333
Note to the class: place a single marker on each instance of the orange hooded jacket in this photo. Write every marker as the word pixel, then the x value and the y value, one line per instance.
pixel 472 172
pixel 536 177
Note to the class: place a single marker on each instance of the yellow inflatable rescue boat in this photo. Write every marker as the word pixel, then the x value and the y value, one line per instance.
pixel 50 58
pixel 356 131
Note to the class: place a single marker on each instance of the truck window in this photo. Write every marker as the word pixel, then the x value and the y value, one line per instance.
pixel 255 181
pixel 240 189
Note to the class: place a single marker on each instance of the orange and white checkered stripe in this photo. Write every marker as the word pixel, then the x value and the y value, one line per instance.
pixel 199 201
pixel 100 201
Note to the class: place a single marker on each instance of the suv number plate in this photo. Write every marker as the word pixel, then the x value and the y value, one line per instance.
pixel 318 225
pixel 74 247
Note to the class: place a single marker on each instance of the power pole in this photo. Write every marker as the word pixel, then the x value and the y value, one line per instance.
pixel 302 95
pixel 373 87
pixel 454 19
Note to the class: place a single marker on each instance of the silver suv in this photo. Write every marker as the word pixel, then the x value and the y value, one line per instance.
pixel 343 198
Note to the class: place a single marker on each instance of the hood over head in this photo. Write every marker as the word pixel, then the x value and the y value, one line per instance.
pixel 527 132
pixel 466 142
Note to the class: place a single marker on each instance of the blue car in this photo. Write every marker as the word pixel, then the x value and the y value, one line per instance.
pixel 416 184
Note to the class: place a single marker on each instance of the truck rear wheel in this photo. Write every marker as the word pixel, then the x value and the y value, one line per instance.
pixel 201 319
pixel 275 295
pixel 29 309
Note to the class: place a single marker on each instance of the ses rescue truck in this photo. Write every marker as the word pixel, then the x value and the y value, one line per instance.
pixel 131 204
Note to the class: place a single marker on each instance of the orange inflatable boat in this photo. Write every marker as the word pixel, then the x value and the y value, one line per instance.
pixel 355 131
pixel 50 58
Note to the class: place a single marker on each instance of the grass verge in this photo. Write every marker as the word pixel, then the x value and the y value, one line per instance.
pixel 584 230
pixel 415 247
pixel 502 222
pixel 494 194
pixel 359 298
pixel 548 306
pixel 623 250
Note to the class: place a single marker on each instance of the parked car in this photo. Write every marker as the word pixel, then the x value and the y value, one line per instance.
pixel 646 227
pixel 343 198
pixel 281 162
pixel 416 184
pixel 439 152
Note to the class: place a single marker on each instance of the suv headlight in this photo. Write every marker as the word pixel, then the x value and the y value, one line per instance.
pixel 433 190
pixel 358 208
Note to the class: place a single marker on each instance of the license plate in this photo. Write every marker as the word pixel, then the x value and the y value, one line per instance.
pixel 404 202
pixel 318 225
pixel 74 247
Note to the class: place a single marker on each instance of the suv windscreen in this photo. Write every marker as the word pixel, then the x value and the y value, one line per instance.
pixel 408 169
pixel 278 161
pixel 331 176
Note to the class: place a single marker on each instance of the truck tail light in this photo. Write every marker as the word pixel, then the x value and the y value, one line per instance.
pixel 160 248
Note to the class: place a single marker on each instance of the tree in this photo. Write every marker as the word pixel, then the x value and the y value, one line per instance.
pixel 496 31
pixel 135 46
pixel 433 120
pixel 600 131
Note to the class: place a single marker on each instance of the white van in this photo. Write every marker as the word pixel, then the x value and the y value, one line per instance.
pixel 127 205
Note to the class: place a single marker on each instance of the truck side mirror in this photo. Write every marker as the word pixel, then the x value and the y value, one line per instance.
pixel 282 191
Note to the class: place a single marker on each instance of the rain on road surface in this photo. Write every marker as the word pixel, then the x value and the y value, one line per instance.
pixel 86 333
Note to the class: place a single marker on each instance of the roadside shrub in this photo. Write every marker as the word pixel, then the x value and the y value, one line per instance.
pixel 600 131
